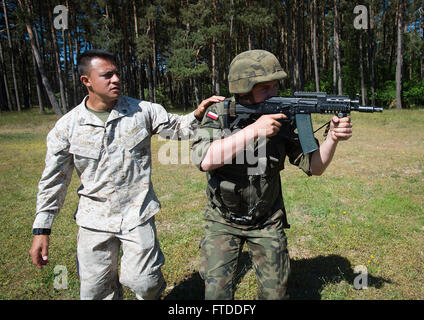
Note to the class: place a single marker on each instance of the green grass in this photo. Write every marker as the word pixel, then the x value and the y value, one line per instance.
pixel 367 209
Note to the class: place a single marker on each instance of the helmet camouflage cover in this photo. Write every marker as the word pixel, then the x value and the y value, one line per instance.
pixel 253 67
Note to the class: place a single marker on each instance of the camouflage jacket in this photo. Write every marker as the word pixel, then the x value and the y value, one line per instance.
pixel 113 161
pixel 231 181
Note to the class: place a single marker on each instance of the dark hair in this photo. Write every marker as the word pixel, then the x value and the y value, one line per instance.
pixel 84 59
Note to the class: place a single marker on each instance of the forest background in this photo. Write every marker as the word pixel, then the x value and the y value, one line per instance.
pixel 178 52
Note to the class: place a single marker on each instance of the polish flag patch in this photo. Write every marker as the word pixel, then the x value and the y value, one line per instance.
pixel 212 115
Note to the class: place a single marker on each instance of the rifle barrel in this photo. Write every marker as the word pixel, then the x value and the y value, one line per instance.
pixel 368 109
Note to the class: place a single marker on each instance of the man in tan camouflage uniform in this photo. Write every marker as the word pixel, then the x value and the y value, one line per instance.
pixel 107 140
pixel 245 207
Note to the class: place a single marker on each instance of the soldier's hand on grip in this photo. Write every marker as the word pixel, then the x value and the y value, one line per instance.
pixel 268 125
pixel 340 128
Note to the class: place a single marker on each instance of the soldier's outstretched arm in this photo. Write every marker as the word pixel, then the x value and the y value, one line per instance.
pixel 174 126
pixel 340 130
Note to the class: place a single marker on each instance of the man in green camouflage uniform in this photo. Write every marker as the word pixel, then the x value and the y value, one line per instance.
pixel 245 203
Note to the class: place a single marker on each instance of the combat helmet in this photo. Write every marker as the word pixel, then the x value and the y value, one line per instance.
pixel 253 67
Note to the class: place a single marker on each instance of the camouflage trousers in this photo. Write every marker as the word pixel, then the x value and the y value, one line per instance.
pixel 221 249
pixel 97 259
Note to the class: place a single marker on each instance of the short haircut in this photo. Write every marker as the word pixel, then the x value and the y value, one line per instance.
pixel 84 59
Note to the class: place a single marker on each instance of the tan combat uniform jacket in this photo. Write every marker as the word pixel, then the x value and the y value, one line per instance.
pixel 113 161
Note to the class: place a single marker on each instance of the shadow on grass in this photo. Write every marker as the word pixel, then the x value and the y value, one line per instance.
pixel 308 278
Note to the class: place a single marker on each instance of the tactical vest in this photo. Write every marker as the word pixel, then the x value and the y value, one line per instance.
pixel 243 197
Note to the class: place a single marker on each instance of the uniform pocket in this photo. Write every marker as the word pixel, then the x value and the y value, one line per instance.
pixel 134 139
pixel 138 146
pixel 85 151
pixel 146 235
pixel 85 156
pixel 87 142
pixel 230 195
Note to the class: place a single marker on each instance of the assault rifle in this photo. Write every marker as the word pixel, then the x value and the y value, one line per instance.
pixel 298 109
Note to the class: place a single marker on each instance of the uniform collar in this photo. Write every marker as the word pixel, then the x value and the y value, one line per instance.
pixel 121 109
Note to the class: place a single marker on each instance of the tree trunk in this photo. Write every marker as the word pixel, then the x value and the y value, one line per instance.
pixel 45 80
pixel 361 70
pixel 296 45
pixel 249 40
pixel 213 63
pixel 324 43
pixel 38 85
pixel 151 68
pixel 73 73
pixel 371 53
pixel 334 73
pixel 197 93
pixel 154 66
pixel 12 60
pixel 422 41
pixel 50 93
pixel 399 61
pixel 215 69
pixel 282 47
pixel 41 50
pixel 314 44
pixel 57 60
pixel 337 48
pixel 150 80
pixel 6 87
pixel 65 68
pixel 138 63
pixel 77 49
pixel 185 96
pixel 393 42
pixel 290 46
pixel 231 22
pixel 298 48
pixel 24 78
pixel 71 59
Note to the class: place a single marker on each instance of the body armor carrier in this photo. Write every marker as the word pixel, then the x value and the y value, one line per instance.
pixel 243 194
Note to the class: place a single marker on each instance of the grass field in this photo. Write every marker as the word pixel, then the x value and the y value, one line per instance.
pixel 366 210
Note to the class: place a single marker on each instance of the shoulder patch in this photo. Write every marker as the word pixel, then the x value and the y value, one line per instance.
pixel 212 115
